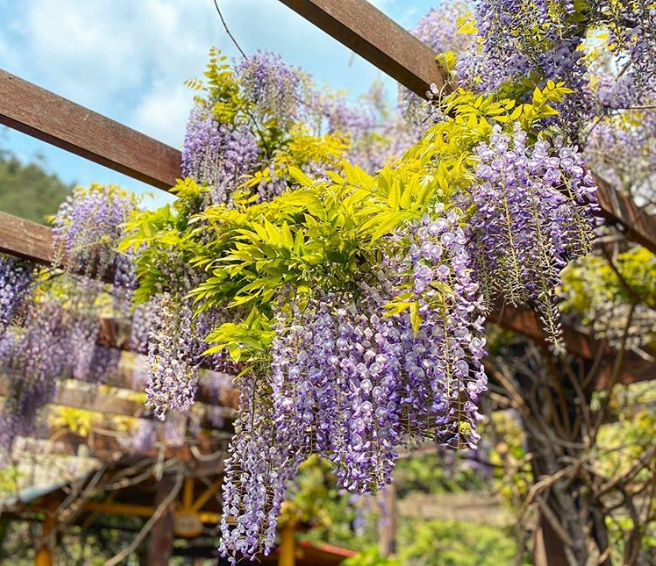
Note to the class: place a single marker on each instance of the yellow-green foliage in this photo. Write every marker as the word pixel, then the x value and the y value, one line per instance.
pixel 323 234
pixel 592 278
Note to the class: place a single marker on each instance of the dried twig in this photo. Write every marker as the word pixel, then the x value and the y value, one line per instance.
pixel 227 29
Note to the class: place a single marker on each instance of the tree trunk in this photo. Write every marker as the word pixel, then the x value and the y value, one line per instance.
pixel 160 545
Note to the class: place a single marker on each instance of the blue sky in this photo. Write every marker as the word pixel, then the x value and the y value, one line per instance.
pixel 127 59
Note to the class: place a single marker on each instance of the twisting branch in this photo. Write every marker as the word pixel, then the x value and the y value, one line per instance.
pixel 150 523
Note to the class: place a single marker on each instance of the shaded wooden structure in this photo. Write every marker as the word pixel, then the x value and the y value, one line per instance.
pixel 179 509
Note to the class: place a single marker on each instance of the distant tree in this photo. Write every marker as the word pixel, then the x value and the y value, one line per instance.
pixel 28 190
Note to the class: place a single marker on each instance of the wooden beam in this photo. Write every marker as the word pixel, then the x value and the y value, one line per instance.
pixel 25 239
pixel 380 40
pixel 106 446
pixel 145 511
pixel 620 211
pixel 107 404
pixel 39 113
pixel 527 323
pixel 42 114
pixel 90 401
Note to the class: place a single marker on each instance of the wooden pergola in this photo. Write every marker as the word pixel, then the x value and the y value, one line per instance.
pixel 369 33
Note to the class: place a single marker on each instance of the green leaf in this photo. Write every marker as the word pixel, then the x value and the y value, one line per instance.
pixel 300 177
pixel 415 318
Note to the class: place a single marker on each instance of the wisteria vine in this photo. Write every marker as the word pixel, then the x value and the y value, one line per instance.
pixel 347 286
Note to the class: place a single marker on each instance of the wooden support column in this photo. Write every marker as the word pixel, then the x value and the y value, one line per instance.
pixel 387 521
pixel 548 549
pixel 4 527
pixel 160 546
pixel 287 549
pixel 44 554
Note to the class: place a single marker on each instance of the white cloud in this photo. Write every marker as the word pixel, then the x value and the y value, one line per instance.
pixel 381 4
pixel 162 113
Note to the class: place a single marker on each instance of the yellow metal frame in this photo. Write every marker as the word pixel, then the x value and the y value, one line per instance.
pixel 287 548
pixel 189 505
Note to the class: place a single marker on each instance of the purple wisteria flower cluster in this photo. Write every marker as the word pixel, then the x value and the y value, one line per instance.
pixel 216 154
pixel 510 50
pixel 541 40
pixel 352 384
pixel 234 131
pixel 16 279
pixel 238 133
pixel 276 90
pixel 172 369
pixel 622 150
pixel 535 210
pixel 34 357
pixel 57 333
pixel 86 231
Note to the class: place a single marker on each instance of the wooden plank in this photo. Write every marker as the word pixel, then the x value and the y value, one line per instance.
pixel 90 401
pixel 35 111
pixel 25 239
pixel 620 211
pixel 108 404
pixel 229 399
pixel 380 40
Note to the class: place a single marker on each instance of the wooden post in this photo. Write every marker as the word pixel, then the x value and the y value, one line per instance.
pixel 387 521
pixel 287 549
pixel 44 554
pixel 547 547
pixel 160 546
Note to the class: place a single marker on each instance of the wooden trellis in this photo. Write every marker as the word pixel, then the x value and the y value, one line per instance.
pixel 369 33
pixel 358 25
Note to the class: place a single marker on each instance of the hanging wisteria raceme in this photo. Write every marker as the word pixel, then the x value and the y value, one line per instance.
pixel 86 230
pixel 443 359
pixel 276 90
pixel 104 362
pixel 622 150
pixel 256 474
pixel 353 385
pixel 534 211
pixel 34 358
pixel 143 319
pixel 172 370
pixel 217 154
pixel 16 278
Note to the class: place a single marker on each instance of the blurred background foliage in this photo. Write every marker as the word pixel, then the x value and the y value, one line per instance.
pixel 27 189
